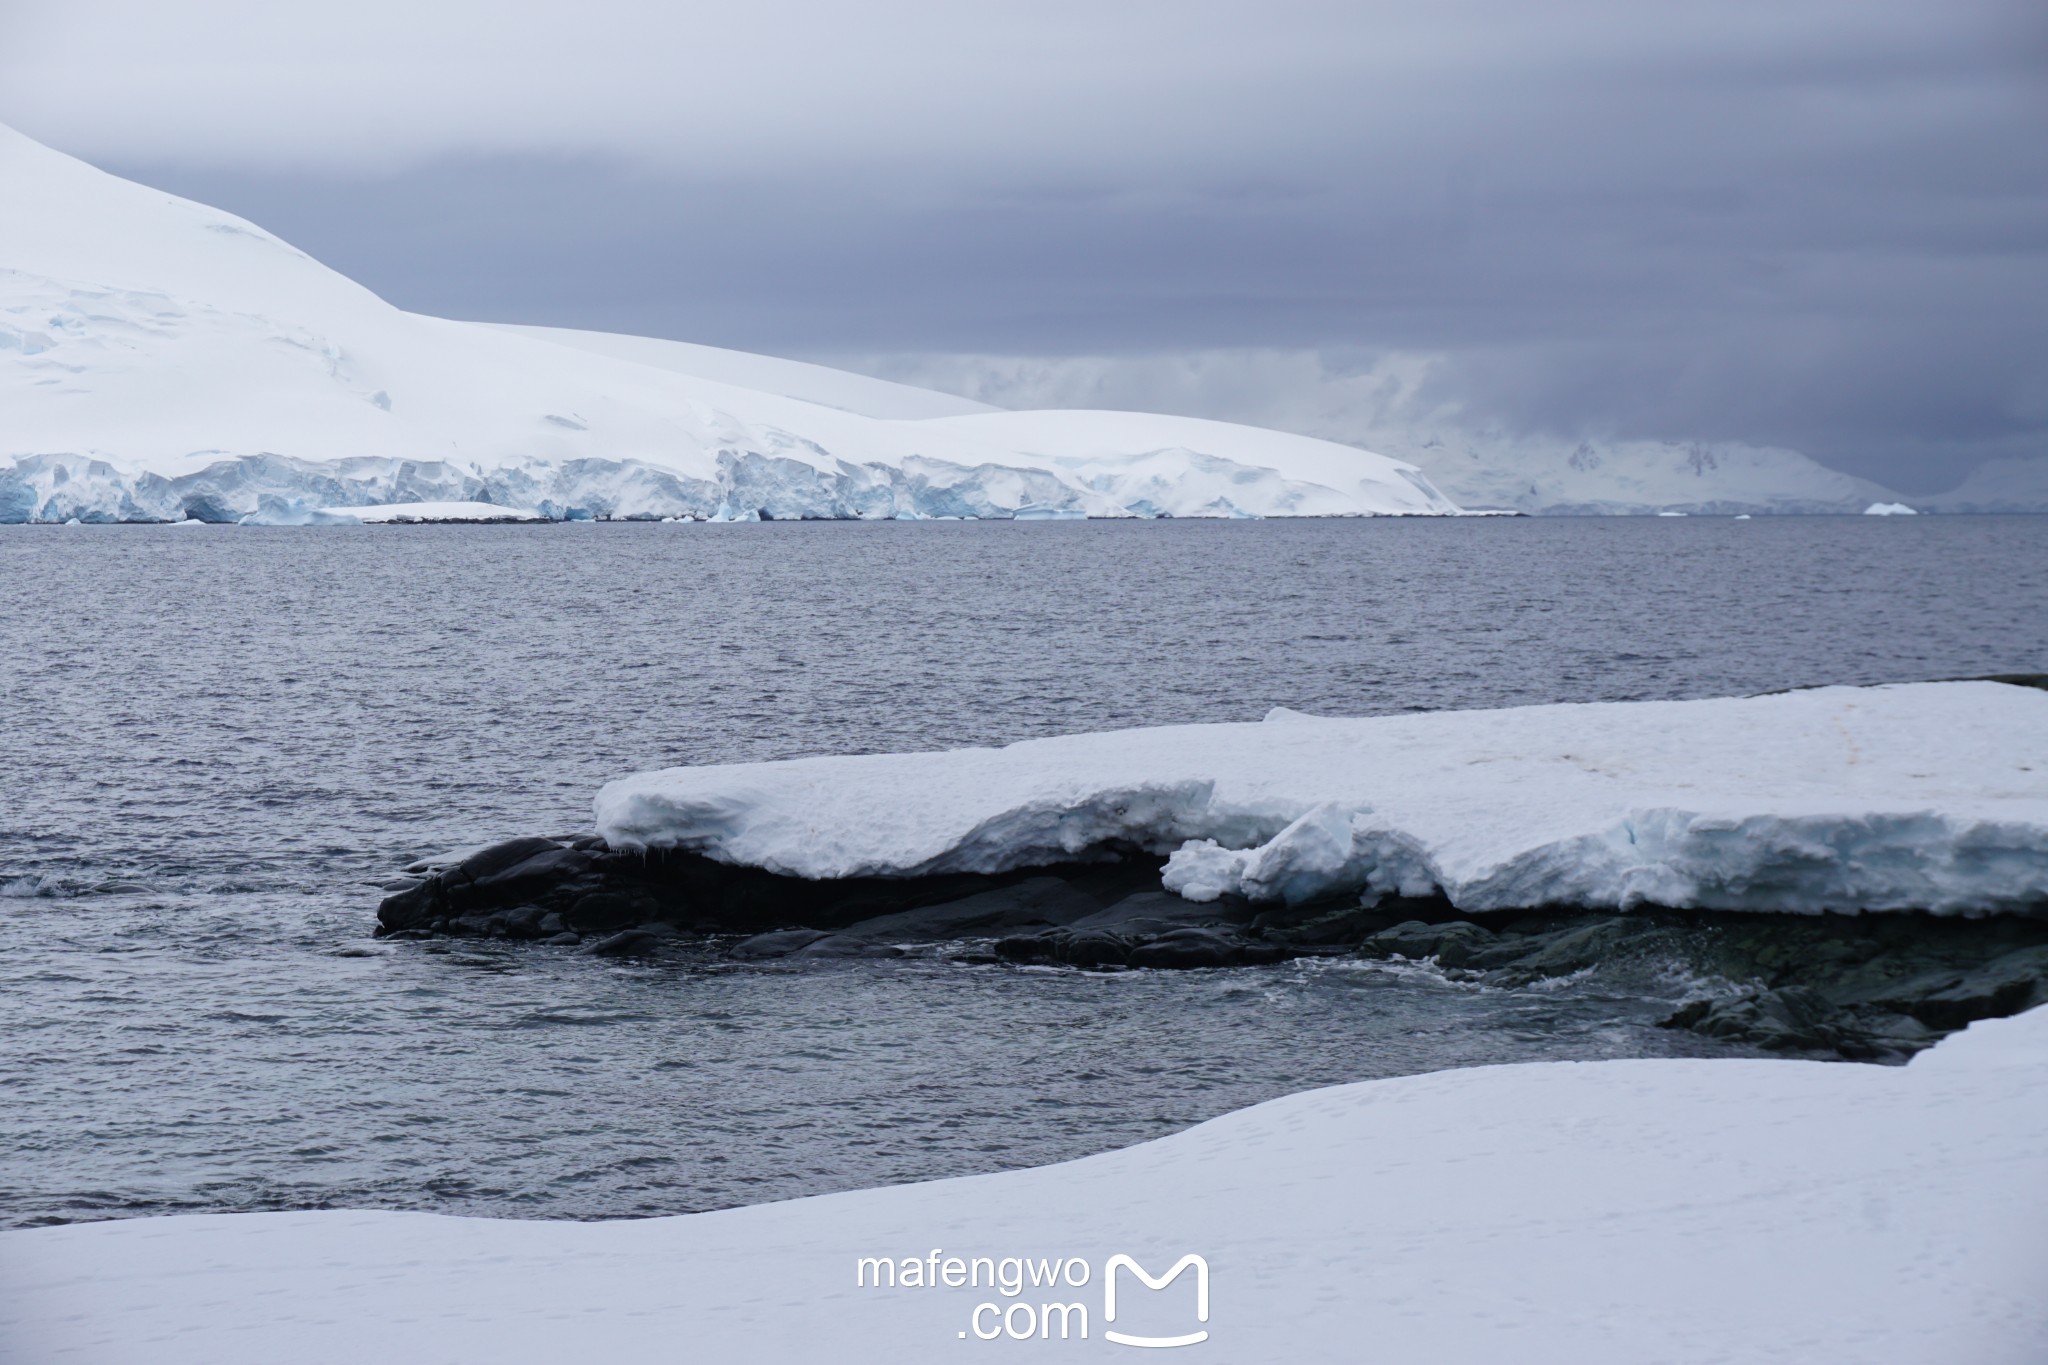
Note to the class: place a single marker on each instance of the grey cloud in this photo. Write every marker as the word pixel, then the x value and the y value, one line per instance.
pixel 1821 224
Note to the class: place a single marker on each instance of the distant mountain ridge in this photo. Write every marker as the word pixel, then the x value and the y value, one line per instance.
pixel 161 360
pixel 1396 405
pixel 1588 478
pixel 2008 485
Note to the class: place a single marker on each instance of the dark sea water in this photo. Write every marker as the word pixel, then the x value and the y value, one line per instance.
pixel 220 741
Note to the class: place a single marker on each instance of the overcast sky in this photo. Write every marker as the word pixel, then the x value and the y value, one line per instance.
pixel 1814 223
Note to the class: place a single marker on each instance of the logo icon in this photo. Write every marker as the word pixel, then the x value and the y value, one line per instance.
pixel 1122 1262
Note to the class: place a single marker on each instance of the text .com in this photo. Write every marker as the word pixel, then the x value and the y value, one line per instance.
pixel 1053 1312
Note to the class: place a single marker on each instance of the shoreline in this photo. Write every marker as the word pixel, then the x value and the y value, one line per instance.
pixel 1599 1212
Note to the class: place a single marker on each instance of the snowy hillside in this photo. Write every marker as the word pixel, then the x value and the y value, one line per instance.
pixel 807 383
pixel 1396 406
pixel 1591 478
pixel 1997 486
pixel 160 359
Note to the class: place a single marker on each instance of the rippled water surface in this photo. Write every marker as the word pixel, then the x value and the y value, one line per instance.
pixel 220 741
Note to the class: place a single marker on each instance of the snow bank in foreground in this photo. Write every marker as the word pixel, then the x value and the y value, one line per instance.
pixel 1677 1211
pixel 1929 795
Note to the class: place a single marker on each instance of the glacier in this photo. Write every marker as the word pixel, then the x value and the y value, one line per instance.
pixel 163 361
pixel 1923 796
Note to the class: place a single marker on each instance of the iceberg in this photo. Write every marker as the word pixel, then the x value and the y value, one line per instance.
pixel 1924 796
pixel 162 361
pixel 1604 1213
pixel 1889 509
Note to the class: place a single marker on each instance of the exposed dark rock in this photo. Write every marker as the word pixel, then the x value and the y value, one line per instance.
pixel 1152 913
pixel 488 862
pixel 846 945
pixel 538 873
pixel 1789 1020
pixel 414 908
pixel 693 892
pixel 1452 945
pixel 1687 1015
pixel 1532 957
pixel 776 943
pixel 597 911
pixel 1326 925
pixel 1183 948
pixel 1151 929
pixel 625 942
pixel 1089 948
pixel 2035 680
pixel 2006 985
pixel 519 922
pixel 1039 900
pixel 1880 985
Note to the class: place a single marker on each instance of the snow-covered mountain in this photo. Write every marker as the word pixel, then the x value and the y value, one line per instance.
pixel 160 360
pixel 1494 470
pixel 2010 485
pixel 1395 405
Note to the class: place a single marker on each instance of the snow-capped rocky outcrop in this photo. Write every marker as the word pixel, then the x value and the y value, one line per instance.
pixel 161 360
pixel 1926 796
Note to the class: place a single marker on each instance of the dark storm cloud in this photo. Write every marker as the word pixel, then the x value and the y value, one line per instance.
pixel 1821 225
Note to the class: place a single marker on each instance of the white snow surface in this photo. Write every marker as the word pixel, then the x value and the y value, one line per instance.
pixel 1485 468
pixel 159 358
pixel 1599 1213
pixel 1929 795
pixel 1396 404
pixel 1889 509
pixel 805 382
pixel 2006 485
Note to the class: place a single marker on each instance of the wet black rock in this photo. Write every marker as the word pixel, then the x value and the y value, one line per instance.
pixel 1195 947
pixel 1036 900
pixel 2005 985
pixel 846 945
pixel 775 943
pixel 1451 945
pixel 625 942
pixel 546 869
pixel 597 889
pixel 1150 929
pixel 1872 986
pixel 1788 1020
pixel 1520 960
